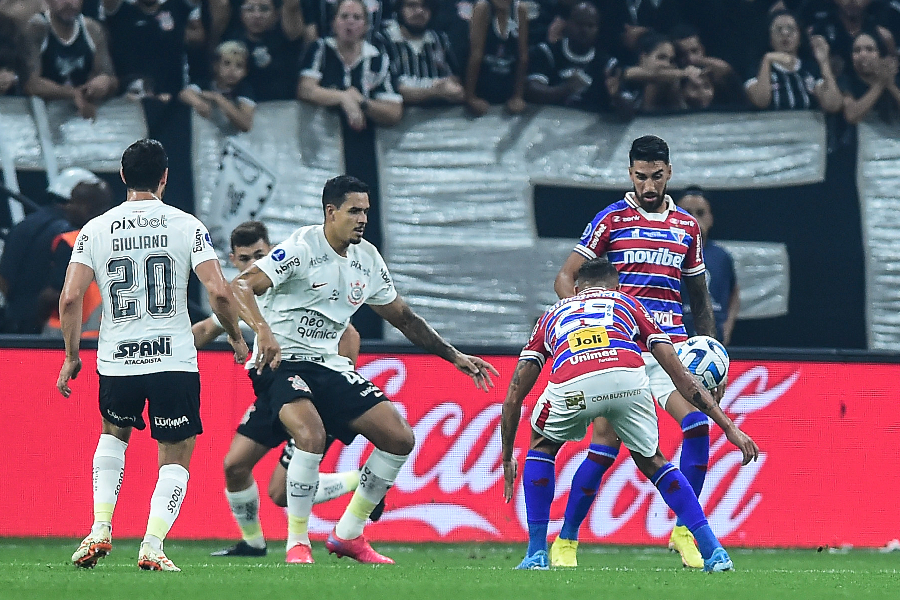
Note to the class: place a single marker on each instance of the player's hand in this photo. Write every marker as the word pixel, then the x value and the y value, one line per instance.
pixel 744 443
pixel 70 369
pixel 268 352
pixel 515 105
pixel 510 468
pixel 240 350
pixel 719 392
pixel 478 369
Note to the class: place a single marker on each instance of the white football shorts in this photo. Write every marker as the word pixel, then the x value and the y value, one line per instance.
pixel 661 385
pixel 622 396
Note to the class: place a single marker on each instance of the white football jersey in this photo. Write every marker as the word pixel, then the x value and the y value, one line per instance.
pixel 142 253
pixel 316 291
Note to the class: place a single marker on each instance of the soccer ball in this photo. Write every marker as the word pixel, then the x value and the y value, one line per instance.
pixel 706 358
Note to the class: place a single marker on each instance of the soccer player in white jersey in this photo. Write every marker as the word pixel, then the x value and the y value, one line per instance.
pixel 141 254
pixel 255 436
pixel 319 277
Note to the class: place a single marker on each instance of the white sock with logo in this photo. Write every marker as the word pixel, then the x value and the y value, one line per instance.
pixel 302 482
pixel 108 471
pixel 165 504
pixel 245 508
pixel 335 485
pixel 375 479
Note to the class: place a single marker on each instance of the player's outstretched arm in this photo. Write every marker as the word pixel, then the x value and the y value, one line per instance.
pixel 419 332
pixel 691 389
pixel 78 278
pixel 246 286
pixel 223 303
pixel 523 379
pixel 564 286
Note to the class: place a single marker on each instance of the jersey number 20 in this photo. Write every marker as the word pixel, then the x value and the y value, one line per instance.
pixel 158 275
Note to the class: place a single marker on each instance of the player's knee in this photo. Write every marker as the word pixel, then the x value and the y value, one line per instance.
pixel 235 470
pixel 405 442
pixel 310 439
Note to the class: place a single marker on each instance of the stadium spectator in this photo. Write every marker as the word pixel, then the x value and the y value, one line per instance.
pixel 725 83
pixel 319 16
pixel 13 60
pixel 22 10
pixel 721 279
pixel 421 59
pixel 228 100
pixel 274 40
pixel 786 81
pixel 69 58
pixel 590 380
pixel 625 22
pixel 573 71
pixel 839 21
pixel 147 41
pixel 314 390
pixel 871 83
pixel 348 72
pixel 654 83
pixel 498 56
pixel 27 253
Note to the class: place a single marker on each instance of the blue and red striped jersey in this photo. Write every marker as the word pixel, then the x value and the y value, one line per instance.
pixel 651 251
pixel 592 331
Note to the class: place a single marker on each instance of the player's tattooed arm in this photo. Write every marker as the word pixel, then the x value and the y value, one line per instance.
pixel 523 380
pixel 416 329
pixel 701 305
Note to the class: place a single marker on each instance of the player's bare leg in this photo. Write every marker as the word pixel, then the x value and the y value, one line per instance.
pixel 693 464
pixel 108 471
pixel 677 493
pixel 165 504
pixel 601 455
pixel 242 493
pixel 303 423
pixel 394 441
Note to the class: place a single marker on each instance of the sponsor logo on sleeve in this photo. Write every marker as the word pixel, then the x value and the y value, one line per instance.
pixel 278 254
pixel 385 277
pixel 79 244
pixel 199 241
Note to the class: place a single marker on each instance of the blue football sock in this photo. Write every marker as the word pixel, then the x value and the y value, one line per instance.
pixel 695 450
pixel 677 493
pixel 539 481
pixel 585 484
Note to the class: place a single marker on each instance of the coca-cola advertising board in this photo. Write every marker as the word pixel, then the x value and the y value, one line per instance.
pixel 827 472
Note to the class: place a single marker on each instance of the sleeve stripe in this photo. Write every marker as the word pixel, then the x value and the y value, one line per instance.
pixel 532 355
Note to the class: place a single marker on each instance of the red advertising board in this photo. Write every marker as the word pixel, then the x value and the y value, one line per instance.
pixel 826 475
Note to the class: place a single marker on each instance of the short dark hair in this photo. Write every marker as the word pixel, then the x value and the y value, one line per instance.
pixel 649 148
pixel 597 270
pixel 694 190
pixel 248 233
pixel 336 190
pixel 143 165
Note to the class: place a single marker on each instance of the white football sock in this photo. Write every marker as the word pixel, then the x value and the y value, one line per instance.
pixel 165 504
pixel 302 481
pixel 109 469
pixel 335 485
pixel 376 478
pixel 245 508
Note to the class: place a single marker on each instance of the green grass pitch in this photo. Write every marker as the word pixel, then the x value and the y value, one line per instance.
pixel 40 568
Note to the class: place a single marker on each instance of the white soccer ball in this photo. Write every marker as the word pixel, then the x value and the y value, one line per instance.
pixel 706 358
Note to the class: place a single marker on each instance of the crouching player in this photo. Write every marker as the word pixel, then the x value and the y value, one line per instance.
pixel 597 370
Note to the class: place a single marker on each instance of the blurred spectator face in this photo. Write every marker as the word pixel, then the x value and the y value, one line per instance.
pixel 583 25
pixel 231 68
pixel 865 55
pixel 663 55
pixel 258 16
pixel 690 50
pixel 698 207
pixel 784 35
pixel 698 93
pixel 350 21
pixel 65 10
pixel 853 8
pixel 415 15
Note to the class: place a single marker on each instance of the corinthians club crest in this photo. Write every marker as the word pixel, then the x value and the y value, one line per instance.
pixel 356 293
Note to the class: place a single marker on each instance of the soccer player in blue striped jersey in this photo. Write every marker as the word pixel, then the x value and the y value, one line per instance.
pixel 655 246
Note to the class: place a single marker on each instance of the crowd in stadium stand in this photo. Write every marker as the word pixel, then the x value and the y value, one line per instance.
pixel 367 58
